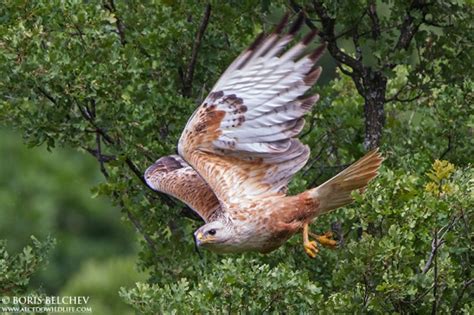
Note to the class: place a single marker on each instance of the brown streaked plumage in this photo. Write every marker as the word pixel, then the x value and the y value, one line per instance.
pixel 240 151
pixel 173 176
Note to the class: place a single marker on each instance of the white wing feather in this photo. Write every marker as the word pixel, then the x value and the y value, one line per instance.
pixel 247 123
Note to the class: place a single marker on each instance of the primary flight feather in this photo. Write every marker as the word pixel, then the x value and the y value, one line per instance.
pixel 238 152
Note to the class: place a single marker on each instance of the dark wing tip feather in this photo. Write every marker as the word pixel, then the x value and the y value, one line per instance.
pixel 257 41
pixel 318 52
pixel 308 102
pixel 309 37
pixel 252 48
pixel 281 25
pixel 297 24
pixel 313 76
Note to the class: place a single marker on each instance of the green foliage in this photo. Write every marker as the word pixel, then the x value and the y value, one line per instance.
pixel 433 126
pixel 16 269
pixel 101 280
pixel 441 32
pixel 110 79
pixel 237 285
pixel 399 218
pixel 383 269
pixel 47 193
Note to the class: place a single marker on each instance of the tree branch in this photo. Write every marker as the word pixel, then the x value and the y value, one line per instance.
pixel 446 151
pixel 435 244
pixel 99 155
pixel 311 127
pixel 434 251
pixel 139 227
pixel 344 71
pixel 328 34
pixel 372 11
pixel 118 22
pixel 355 40
pixel 311 162
pixel 105 158
pixel 47 95
pixel 130 164
pixel 466 285
pixel 396 97
pixel 438 241
pixel 420 296
pixel 366 293
pixel 187 77
pixel 408 28
pixel 89 115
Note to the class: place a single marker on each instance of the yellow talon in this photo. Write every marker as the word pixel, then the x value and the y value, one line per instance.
pixel 325 239
pixel 311 249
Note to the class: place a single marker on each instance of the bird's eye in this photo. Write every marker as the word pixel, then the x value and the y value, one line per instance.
pixel 212 232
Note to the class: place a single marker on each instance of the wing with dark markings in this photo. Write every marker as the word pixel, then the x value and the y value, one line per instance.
pixel 173 176
pixel 241 140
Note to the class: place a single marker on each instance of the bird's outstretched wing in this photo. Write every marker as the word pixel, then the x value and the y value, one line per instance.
pixel 240 140
pixel 173 176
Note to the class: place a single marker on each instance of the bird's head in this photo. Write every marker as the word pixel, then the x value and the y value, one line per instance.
pixel 213 235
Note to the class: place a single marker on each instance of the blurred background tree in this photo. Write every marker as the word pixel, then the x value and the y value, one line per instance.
pixel 47 194
pixel 118 79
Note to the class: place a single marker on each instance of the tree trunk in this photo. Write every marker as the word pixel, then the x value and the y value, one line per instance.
pixel 375 84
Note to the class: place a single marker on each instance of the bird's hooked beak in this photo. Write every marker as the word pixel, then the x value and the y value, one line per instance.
pixel 198 238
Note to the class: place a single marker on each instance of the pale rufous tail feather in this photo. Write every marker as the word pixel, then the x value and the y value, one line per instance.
pixel 336 192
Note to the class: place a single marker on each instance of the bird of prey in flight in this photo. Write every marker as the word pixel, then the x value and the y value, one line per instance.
pixel 239 150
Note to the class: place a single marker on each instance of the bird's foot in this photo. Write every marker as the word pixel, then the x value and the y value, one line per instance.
pixel 311 248
pixel 326 239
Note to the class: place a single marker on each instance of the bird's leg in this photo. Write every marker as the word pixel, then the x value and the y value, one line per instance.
pixel 325 239
pixel 310 247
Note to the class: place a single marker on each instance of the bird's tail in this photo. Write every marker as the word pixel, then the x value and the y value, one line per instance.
pixel 336 192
